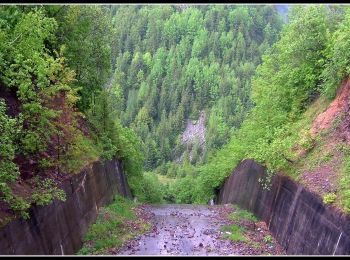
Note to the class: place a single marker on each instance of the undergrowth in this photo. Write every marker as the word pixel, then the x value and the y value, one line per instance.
pixel 239 214
pixel 115 224
pixel 234 233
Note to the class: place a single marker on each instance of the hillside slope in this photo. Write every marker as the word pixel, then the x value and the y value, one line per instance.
pixel 294 128
pixel 324 168
pixel 55 116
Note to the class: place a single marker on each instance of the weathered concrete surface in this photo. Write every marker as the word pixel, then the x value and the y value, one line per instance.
pixel 59 228
pixel 298 218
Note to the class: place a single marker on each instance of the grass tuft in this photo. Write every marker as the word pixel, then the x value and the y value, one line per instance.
pixel 234 233
pixel 115 224
pixel 239 214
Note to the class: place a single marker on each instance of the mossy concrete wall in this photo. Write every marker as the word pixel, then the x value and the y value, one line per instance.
pixel 297 218
pixel 59 228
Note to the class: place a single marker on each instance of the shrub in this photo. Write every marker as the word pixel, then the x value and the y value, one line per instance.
pixel 329 198
pixel 113 227
pixel 148 188
pixel 79 153
pixel 46 191
pixel 344 192
pixel 242 214
pixel 234 233
pixel 268 239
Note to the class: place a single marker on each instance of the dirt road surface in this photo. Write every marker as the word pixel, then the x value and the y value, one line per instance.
pixel 184 230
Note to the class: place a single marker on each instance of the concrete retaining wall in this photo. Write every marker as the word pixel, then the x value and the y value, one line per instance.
pixel 297 218
pixel 59 228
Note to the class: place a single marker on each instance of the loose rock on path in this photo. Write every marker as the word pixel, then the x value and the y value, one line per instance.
pixel 185 230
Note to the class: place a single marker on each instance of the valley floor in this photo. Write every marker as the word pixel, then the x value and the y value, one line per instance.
pixel 202 230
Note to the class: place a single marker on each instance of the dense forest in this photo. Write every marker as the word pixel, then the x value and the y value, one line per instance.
pixel 174 63
pixel 56 116
pixel 81 83
pixel 298 77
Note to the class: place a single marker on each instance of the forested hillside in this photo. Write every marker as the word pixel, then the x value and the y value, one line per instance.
pixel 179 93
pixel 55 116
pixel 174 62
pixel 298 78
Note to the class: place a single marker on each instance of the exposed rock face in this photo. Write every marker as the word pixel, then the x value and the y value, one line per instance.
pixel 195 130
pixel 60 227
pixel 298 218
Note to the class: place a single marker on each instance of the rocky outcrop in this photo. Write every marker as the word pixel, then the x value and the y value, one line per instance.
pixel 59 228
pixel 195 130
pixel 297 217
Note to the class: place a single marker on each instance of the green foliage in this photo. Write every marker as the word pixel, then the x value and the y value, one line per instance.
pixel 284 85
pixel 268 239
pixel 27 68
pixel 239 214
pixel 101 118
pixel 9 173
pixel 9 129
pixel 16 203
pixel 150 68
pixel 86 32
pixel 234 233
pixel 183 190
pixel 46 131
pixel 344 192
pixel 80 152
pixel 111 229
pixel 337 67
pixel 173 64
pixel 329 198
pixel 150 189
pixel 46 191
pixel 129 151
pixel 114 140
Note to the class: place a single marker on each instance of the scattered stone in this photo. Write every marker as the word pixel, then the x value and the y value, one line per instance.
pixel 203 222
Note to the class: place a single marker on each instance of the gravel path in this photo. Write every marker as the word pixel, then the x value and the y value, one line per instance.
pixel 182 230
pixel 196 230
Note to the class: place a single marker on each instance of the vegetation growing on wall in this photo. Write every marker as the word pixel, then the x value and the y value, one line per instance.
pixel 115 225
pixel 65 119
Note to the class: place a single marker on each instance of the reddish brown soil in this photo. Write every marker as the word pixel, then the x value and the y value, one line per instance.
pixel 325 178
pixel 339 106
pixel 11 100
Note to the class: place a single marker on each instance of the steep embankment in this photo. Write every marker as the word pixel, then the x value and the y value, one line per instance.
pixel 297 217
pixel 307 205
pixel 59 228
pixel 323 167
